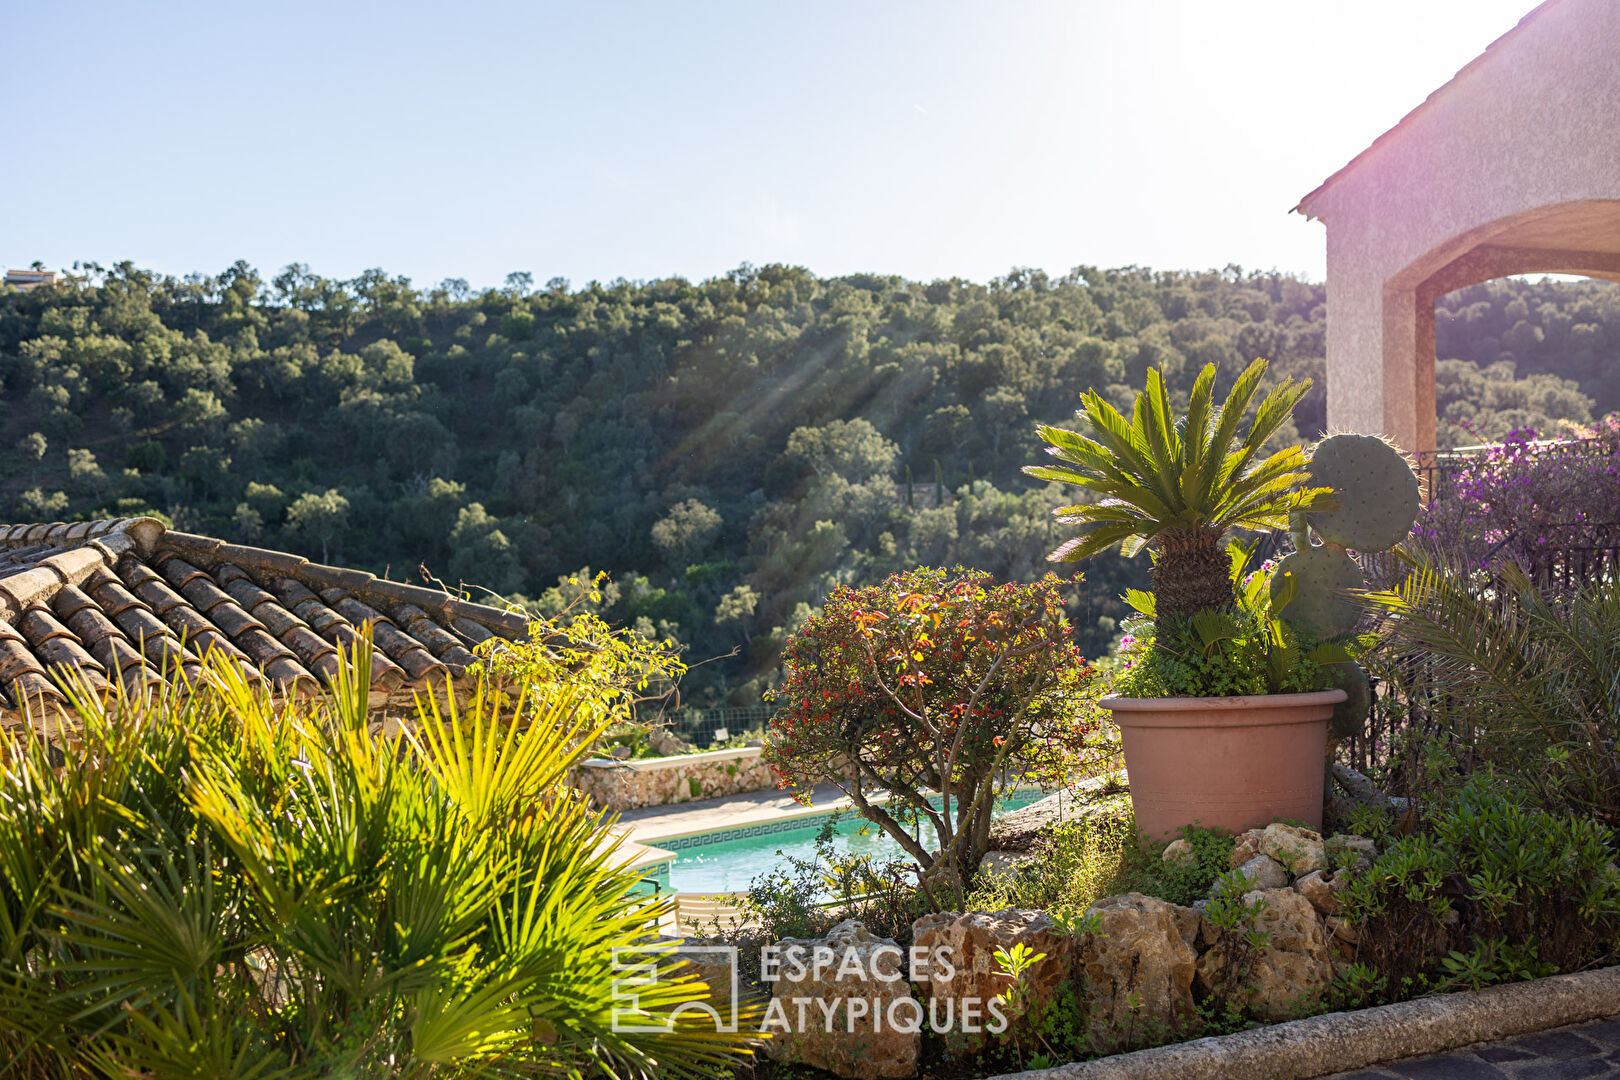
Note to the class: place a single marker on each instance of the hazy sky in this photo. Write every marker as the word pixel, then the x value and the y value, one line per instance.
pixel 594 139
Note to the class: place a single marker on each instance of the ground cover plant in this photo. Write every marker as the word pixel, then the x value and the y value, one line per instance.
pixel 214 884
pixel 1488 889
pixel 933 681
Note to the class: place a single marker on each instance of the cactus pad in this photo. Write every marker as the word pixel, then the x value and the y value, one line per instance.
pixel 1350 715
pixel 1376 489
pixel 1320 576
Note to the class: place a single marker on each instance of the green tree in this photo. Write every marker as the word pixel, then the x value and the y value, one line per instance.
pixel 684 532
pixel 319 518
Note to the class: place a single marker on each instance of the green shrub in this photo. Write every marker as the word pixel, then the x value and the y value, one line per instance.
pixel 1524 679
pixel 1490 891
pixel 214 884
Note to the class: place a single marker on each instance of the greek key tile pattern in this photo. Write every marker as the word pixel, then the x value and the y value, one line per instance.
pixel 683 843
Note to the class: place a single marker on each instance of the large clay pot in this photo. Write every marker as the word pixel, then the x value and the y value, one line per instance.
pixel 1230 762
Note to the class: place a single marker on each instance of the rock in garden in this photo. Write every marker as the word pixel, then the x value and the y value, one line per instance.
pixel 666 743
pixel 1142 953
pixel 1340 928
pixel 1294 968
pixel 970 942
pixel 1361 845
pixel 1178 850
pixel 1358 789
pixel 1246 847
pixel 1300 850
pixel 715 968
pixel 1263 873
pixel 849 1042
pixel 1322 888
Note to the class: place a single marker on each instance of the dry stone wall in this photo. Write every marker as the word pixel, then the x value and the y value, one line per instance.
pixel 625 785
pixel 1140 967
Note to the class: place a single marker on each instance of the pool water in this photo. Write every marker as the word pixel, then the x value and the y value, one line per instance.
pixel 729 865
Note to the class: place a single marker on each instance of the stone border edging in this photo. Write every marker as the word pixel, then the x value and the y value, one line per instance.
pixel 1337 1042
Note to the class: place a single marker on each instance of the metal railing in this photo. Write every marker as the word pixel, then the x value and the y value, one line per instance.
pixel 706 728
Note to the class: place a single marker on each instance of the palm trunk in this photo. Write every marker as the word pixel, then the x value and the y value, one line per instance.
pixel 1191 572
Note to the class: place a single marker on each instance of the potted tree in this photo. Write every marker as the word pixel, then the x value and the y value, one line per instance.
pixel 1225 705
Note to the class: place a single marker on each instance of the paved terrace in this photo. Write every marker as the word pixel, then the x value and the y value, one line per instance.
pixel 1568 1053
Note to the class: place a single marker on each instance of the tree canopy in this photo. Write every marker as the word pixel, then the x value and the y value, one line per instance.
pixel 730 450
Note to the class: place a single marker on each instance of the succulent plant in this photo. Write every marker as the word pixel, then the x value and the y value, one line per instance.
pixel 1374 487
pixel 1375 501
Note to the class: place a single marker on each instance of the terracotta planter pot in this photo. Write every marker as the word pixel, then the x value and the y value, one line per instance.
pixel 1229 762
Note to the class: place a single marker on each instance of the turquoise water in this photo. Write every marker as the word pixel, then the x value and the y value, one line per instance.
pixel 728 866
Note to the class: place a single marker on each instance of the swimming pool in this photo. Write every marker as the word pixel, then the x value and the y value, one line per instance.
pixel 727 861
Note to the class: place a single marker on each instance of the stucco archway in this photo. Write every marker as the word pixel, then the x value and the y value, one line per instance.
pixel 1512 167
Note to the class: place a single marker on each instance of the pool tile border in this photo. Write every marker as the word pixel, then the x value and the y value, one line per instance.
pixel 741 832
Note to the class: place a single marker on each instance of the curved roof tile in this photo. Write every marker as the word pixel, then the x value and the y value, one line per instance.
pixel 124 601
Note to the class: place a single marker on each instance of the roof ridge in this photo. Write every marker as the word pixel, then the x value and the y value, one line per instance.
pixel 144 531
pixel 319 576
pixel 1303 205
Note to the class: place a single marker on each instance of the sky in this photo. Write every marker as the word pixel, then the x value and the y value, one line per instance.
pixel 596 139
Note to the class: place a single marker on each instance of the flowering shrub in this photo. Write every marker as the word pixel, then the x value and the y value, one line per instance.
pixel 932 681
pixel 1527 500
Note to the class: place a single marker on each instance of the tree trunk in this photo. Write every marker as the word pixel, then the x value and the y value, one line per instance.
pixel 1190 573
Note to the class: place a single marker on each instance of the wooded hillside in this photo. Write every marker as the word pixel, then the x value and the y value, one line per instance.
pixel 729 450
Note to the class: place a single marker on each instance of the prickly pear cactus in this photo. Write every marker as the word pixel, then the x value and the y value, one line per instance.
pixel 1376 489
pixel 1350 715
pixel 1318 578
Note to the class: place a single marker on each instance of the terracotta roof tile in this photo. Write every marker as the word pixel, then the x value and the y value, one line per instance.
pixel 124 602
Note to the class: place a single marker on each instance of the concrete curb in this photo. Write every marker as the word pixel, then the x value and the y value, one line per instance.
pixel 1337 1042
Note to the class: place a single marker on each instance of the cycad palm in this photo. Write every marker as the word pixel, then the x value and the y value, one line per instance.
pixel 1178 486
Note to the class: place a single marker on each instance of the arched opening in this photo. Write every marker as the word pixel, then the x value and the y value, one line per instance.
pixel 1580 238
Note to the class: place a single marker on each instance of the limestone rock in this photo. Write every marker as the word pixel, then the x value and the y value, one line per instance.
pixel 850 1043
pixel 1358 789
pixel 1144 950
pixel 1322 889
pixel 1263 873
pixel 969 942
pixel 715 968
pixel 1178 850
pixel 1300 850
pixel 1361 845
pixel 1295 967
pixel 1246 847
pixel 666 743
pixel 1342 930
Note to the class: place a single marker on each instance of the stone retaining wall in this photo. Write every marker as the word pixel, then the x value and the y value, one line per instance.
pixel 625 785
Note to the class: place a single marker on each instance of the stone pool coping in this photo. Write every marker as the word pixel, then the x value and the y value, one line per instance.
pixel 1337 1042
pixel 672 761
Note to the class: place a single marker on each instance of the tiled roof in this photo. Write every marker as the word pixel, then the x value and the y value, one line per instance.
pixel 130 602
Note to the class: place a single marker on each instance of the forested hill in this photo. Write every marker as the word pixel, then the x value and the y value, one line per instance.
pixel 728 450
